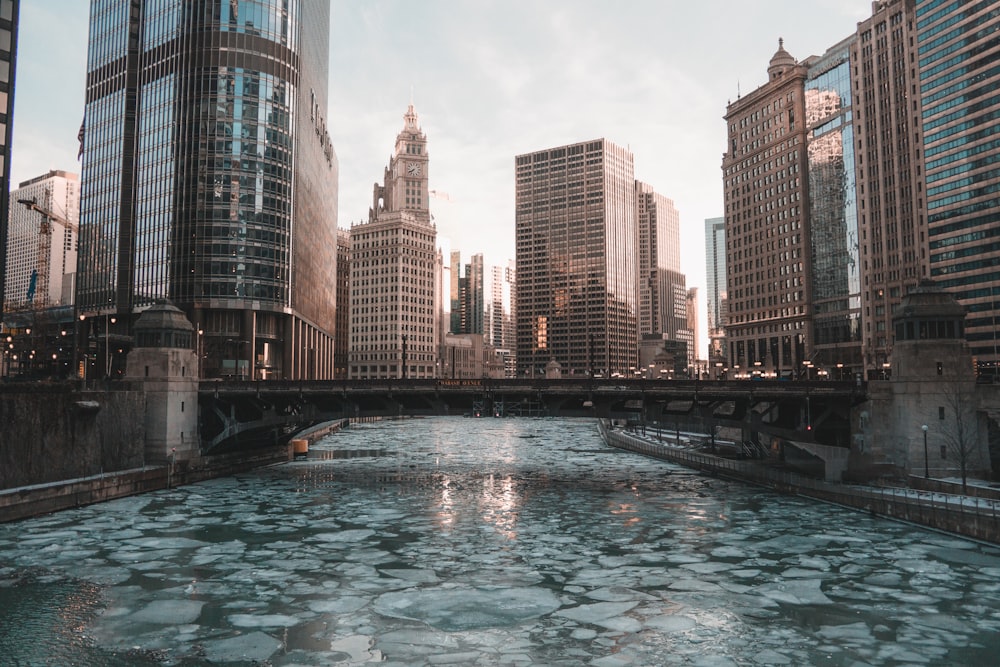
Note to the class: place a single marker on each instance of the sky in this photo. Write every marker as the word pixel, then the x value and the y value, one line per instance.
pixel 492 79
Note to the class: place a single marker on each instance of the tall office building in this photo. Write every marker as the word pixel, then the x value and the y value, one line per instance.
pixel 576 300
pixel 9 10
pixel 498 322
pixel 42 247
pixel 394 270
pixel 835 283
pixel 467 296
pixel 342 335
pixel 768 254
pixel 715 300
pixel 959 68
pixel 891 221
pixel 658 225
pixel 209 178
pixel 692 326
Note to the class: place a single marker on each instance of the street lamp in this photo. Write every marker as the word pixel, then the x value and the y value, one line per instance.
pixel 201 332
pixel 927 472
pixel 107 344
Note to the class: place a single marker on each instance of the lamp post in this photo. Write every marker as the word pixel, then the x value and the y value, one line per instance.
pixel 107 344
pixel 927 472
pixel 201 332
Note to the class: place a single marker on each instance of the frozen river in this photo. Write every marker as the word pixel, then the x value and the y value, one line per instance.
pixel 487 542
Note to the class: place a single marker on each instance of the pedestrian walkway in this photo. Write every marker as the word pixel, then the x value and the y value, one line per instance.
pixel 966 515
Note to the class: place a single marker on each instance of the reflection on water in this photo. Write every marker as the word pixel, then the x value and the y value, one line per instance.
pixel 460 541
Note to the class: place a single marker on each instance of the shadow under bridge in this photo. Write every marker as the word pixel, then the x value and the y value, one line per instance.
pixel 768 414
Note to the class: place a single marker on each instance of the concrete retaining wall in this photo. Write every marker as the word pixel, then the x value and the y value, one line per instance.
pixel 50 432
pixel 35 500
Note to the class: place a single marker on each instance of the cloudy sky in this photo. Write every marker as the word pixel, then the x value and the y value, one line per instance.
pixel 492 79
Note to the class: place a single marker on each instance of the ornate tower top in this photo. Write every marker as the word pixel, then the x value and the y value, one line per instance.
pixel 780 61
pixel 411 118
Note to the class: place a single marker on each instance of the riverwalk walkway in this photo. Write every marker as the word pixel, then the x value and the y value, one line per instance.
pixel 961 514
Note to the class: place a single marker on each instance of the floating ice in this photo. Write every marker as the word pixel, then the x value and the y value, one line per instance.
pixel 597 612
pixel 262 620
pixel 169 612
pixel 344 605
pixel 358 647
pixel 795 591
pixel 454 608
pixel 256 646
pixel 618 594
pixel 416 575
pixel 670 623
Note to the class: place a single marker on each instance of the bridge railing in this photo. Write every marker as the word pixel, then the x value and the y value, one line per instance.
pixel 542 385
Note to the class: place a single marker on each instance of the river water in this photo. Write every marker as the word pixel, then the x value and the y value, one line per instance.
pixel 453 541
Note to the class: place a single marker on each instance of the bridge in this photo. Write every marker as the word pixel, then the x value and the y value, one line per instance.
pixel 244 414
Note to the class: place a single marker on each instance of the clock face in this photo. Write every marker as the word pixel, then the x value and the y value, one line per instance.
pixel 413 169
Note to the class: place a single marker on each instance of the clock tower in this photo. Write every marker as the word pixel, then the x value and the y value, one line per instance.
pixel 394 282
pixel 406 178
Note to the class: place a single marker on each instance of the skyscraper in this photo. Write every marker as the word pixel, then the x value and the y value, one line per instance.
pixel 716 301
pixel 576 300
pixel 209 178
pixel 695 360
pixel 342 338
pixel 835 282
pixel 892 224
pixel 958 56
pixel 498 318
pixel 41 251
pixel 467 296
pixel 658 225
pixel 768 253
pixel 9 10
pixel 394 277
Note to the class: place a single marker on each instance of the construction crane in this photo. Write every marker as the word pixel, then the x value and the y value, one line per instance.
pixel 40 276
pixel 47 215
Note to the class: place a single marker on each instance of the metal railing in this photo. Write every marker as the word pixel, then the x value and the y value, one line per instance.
pixel 969 516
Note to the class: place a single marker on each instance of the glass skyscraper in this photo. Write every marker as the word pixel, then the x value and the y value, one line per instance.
pixel 716 301
pixel 8 56
pixel 209 178
pixel 958 56
pixel 833 211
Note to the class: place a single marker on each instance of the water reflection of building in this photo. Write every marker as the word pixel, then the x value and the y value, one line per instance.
pixel 835 280
pixel 576 268
pixel 205 139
